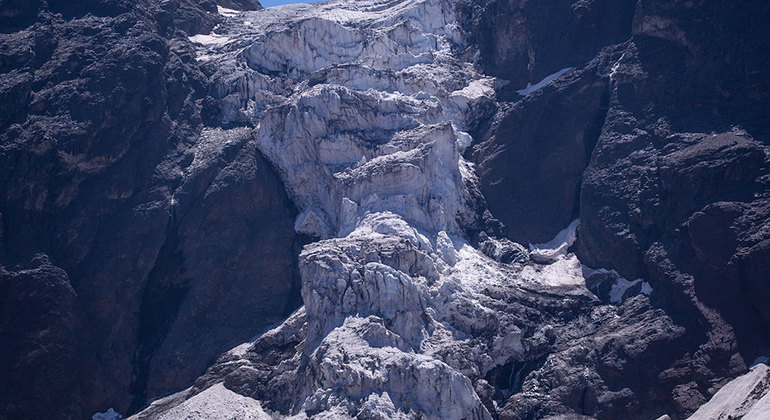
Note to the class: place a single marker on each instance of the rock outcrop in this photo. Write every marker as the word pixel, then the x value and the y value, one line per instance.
pixel 136 245
pixel 676 157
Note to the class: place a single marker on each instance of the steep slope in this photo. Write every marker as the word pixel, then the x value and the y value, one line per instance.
pixel 367 109
pixel 135 246
pixel 178 175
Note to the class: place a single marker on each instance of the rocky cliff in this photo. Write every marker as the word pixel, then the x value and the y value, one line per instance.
pixel 137 243
pixel 497 209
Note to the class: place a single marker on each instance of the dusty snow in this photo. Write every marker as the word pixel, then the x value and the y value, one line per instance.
pixel 474 270
pixel 551 251
pixel 745 397
pixel 217 403
pixel 564 272
pixel 478 89
pixel 541 84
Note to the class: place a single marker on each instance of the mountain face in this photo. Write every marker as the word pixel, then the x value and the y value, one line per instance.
pixel 135 246
pixel 495 209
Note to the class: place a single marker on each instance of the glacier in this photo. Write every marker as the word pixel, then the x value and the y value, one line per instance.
pixel 363 107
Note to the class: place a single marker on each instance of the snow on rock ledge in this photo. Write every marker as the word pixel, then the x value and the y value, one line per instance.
pixel 551 251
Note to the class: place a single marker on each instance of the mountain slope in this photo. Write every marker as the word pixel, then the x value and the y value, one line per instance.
pixel 366 108
pixel 170 161
pixel 134 248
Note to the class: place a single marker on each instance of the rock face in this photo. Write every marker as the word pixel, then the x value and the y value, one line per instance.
pixel 532 159
pixel 136 245
pixel 537 38
pixel 177 178
pixel 672 184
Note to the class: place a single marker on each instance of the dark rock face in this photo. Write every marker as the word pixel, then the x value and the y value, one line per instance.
pixel 531 160
pixel 523 41
pixel 135 245
pixel 662 194
pixel 668 155
pixel 240 4
pixel 41 342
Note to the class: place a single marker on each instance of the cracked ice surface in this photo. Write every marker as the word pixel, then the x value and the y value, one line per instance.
pixel 362 107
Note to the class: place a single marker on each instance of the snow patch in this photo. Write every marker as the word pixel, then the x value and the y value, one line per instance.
pixel 550 251
pixel 541 84
pixel 616 66
pixel 227 12
pixel 478 89
pixel 620 284
pixel 218 403
pixel 745 397
pixel 210 39
pixel 563 272
pixel 110 414
pixel 474 270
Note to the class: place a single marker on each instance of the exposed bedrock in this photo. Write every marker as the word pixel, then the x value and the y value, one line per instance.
pixel 530 161
pixel 675 186
pixel 691 162
pixel 524 41
pixel 135 247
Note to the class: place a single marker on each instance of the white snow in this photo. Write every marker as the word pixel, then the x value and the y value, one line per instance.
pixel 745 397
pixel 541 84
pixel 563 272
pixel 227 12
pixel 210 39
pixel 621 284
pixel 110 414
pixel 550 251
pixel 616 66
pixel 217 403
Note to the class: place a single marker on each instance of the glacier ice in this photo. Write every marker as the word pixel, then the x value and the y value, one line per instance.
pixel 363 108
